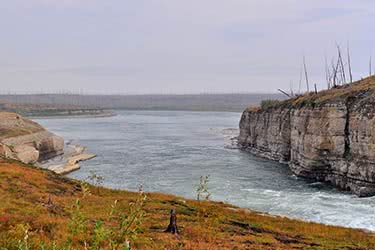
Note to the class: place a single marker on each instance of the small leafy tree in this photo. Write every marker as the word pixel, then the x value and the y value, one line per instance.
pixel 100 235
pixel 128 224
pixel 204 213
pixel 202 188
pixel 77 223
pixel 96 180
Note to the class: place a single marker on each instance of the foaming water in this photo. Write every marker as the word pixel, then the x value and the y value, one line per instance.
pixel 167 151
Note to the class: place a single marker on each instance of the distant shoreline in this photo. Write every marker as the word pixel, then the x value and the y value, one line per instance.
pixel 104 113
pixel 61 102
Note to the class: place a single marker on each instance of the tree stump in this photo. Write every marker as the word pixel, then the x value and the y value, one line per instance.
pixel 172 227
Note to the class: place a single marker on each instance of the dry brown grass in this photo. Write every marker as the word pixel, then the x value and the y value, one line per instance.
pixel 12 124
pixel 338 93
pixel 24 191
pixel 367 84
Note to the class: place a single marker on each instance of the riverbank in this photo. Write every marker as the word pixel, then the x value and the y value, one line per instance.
pixel 25 140
pixel 39 110
pixel 69 161
pixel 41 201
pixel 72 114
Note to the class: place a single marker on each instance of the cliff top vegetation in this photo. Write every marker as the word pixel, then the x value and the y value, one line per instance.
pixel 362 88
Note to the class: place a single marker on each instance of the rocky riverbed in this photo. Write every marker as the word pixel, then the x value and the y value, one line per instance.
pixel 69 161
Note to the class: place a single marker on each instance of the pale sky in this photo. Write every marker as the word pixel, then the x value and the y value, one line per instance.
pixel 175 46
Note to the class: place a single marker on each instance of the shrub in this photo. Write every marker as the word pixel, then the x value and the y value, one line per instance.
pixel 265 104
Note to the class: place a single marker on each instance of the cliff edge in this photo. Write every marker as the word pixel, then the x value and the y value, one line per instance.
pixel 327 136
pixel 24 140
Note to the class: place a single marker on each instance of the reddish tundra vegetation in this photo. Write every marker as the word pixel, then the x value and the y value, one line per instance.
pixel 42 210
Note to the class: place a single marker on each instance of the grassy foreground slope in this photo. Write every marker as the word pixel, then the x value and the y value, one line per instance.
pixel 36 206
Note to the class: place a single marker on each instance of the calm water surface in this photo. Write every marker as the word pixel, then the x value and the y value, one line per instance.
pixel 167 151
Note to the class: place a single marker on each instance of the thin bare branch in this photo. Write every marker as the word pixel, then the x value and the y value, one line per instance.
pixel 349 64
pixel 370 65
pixel 342 68
pixel 328 77
pixel 335 68
pixel 306 75
pixel 282 91
pixel 291 88
pixel 300 81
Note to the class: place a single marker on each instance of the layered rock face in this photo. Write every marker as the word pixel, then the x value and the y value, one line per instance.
pixel 27 141
pixel 324 139
pixel 267 133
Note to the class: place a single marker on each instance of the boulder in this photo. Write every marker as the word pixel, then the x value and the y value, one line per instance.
pixel 27 154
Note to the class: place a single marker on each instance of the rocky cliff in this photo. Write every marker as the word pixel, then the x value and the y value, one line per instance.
pixel 327 136
pixel 27 141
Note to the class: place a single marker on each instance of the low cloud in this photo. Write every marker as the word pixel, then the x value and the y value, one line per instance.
pixel 178 46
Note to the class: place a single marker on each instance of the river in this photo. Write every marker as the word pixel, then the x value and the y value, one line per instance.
pixel 167 151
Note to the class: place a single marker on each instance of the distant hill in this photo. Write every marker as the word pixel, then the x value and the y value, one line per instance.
pixel 45 110
pixel 199 102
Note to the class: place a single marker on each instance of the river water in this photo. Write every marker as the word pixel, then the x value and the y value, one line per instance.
pixel 167 151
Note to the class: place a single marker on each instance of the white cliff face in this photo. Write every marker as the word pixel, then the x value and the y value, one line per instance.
pixel 331 141
pixel 266 134
pixel 24 140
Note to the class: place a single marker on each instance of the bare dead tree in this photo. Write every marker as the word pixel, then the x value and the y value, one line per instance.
pixel 282 91
pixel 370 66
pixel 349 64
pixel 306 75
pixel 300 81
pixel 291 88
pixel 334 73
pixel 342 68
pixel 328 74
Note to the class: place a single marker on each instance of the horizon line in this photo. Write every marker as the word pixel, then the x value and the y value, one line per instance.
pixel 136 94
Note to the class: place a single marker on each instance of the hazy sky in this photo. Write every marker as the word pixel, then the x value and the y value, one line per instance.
pixel 175 46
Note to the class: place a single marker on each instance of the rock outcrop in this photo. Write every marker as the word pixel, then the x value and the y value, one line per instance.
pixel 328 136
pixel 72 163
pixel 69 161
pixel 27 141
